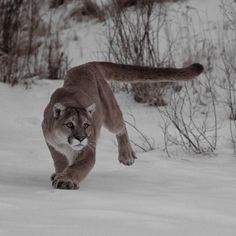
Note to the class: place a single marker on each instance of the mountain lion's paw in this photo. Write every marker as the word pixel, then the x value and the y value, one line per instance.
pixel 64 182
pixel 127 158
pixel 53 176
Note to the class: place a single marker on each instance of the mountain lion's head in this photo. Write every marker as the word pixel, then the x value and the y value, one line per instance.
pixel 72 126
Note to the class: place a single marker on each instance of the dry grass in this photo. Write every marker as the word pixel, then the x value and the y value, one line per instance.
pixel 87 10
pixel 56 3
pixel 122 4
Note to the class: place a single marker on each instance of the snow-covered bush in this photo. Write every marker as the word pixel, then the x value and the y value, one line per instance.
pixel 228 65
pixel 56 3
pixel 86 10
pixel 123 4
pixel 27 43
pixel 156 35
pixel 18 27
pixel 133 37
pixel 190 120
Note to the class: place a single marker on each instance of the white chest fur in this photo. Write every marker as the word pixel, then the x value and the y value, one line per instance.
pixel 65 149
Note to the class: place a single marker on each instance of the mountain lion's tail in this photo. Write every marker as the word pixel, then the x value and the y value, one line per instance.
pixel 130 73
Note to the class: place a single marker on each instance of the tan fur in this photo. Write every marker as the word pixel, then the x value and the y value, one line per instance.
pixel 87 100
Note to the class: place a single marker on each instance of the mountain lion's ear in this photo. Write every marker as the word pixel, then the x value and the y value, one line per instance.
pixel 91 109
pixel 58 110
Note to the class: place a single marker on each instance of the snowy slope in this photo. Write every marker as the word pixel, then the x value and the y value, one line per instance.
pixel 177 196
pixel 183 195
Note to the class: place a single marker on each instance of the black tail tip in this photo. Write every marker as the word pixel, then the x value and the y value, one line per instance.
pixel 198 68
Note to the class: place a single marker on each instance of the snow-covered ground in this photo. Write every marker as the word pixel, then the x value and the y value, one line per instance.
pixel 183 195
pixel 155 196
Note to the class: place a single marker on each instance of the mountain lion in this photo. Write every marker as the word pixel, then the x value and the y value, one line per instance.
pixel 76 112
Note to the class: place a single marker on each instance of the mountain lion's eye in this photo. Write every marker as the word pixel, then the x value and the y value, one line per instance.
pixel 86 125
pixel 69 125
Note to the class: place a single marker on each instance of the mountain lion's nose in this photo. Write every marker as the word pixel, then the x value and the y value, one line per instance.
pixel 80 138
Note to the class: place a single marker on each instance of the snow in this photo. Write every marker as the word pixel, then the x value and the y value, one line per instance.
pixel 157 195
pixel 183 195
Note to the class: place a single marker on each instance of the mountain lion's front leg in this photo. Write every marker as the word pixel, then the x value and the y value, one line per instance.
pixel 75 173
pixel 126 153
pixel 60 161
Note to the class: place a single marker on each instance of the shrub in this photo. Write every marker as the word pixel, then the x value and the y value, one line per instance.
pixel 26 49
pixel 56 3
pixel 136 40
pixel 86 10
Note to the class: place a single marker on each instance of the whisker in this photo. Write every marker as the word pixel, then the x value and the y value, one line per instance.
pixel 92 145
pixel 91 141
